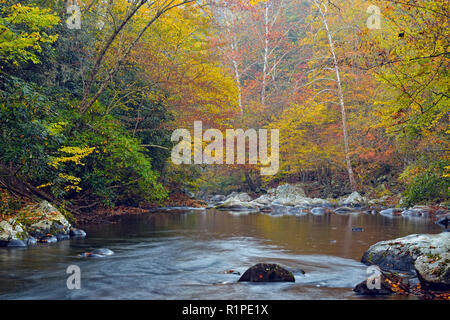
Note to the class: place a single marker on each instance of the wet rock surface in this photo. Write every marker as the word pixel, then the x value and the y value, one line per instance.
pixel 39 223
pixel 291 199
pixel 12 233
pixel 434 270
pixel 400 254
pixel 428 255
pixel 97 253
pixel 388 283
pixel 263 272
pixel 47 220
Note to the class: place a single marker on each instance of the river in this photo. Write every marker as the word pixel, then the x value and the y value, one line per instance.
pixel 181 254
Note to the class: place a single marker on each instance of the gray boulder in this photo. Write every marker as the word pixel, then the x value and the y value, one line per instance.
pixel 433 270
pixel 12 234
pixel 49 220
pixel 237 201
pixel 286 190
pixel 354 198
pixel 400 254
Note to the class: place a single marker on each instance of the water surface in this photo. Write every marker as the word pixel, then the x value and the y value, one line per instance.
pixel 180 255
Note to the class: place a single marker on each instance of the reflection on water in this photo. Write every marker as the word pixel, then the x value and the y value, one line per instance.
pixel 180 255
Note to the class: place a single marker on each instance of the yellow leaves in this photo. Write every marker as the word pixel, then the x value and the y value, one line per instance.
pixel 45 185
pixel 76 155
pixel 447 172
pixel 56 128
pixel 71 179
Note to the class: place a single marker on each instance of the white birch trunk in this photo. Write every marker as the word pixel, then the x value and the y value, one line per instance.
pixel 341 99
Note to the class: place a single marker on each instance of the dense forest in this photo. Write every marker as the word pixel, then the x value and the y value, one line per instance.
pixel 90 92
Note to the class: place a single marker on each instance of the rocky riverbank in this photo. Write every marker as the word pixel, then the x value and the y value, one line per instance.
pixel 291 199
pixel 39 223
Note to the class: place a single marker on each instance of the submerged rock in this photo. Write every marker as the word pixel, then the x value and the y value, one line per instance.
pixel 298 210
pixel 231 272
pixel 266 209
pixel 103 251
pixel 48 239
pixel 16 244
pixel 31 241
pixel 77 233
pixel 97 253
pixel 318 211
pixel 418 211
pixel 391 212
pixel 344 210
pixel 263 272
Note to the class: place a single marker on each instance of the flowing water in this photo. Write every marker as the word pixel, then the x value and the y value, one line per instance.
pixel 181 254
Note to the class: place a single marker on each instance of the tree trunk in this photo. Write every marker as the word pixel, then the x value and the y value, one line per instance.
pixel 341 99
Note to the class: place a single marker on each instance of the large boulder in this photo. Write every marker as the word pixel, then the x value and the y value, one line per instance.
pixel 354 198
pixel 288 195
pixel 433 270
pixel 44 219
pixel 285 190
pixel 12 234
pixel 263 272
pixel 400 254
pixel 237 201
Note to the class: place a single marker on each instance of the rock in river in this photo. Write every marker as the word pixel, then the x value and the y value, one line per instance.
pixel 388 284
pixel 263 272
pixel 391 212
pixel 444 221
pixel 12 234
pixel 97 253
pixel 400 254
pixel 49 220
pixel 77 233
pixel 354 198
pixel 433 271
pixel 237 201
